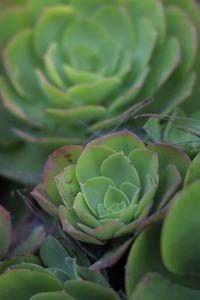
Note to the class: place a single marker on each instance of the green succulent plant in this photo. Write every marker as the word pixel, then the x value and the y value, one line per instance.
pixel 163 262
pixel 68 66
pixel 32 282
pixel 106 189
pixel 177 129
pixel 63 275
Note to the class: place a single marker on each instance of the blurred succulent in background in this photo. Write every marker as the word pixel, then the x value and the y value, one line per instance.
pixel 68 66
pixel 164 261
pixel 176 129
pixel 107 188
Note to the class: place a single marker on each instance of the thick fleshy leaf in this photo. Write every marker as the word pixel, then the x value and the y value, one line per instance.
pixel 146 201
pixel 78 115
pixel 109 18
pixel 30 259
pixel 86 59
pixel 21 64
pixel 16 19
pixel 70 228
pixel 124 141
pixel 145 163
pixel 7 136
pixel 31 267
pixel 83 211
pixel 93 276
pixel 18 106
pixel 163 66
pixel 170 155
pixel 152 10
pixel 131 191
pixel 53 66
pixel 51 25
pixel 56 162
pixel 182 220
pixel 168 185
pixel 26 283
pixel 95 92
pixel 5 231
pixel 173 93
pixel 145 33
pixel 88 165
pixel 89 6
pixel 77 77
pixel 118 168
pixel 52 296
pixel 87 32
pixel 103 232
pixel 53 253
pixel 128 214
pixel 40 195
pixel 193 172
pixel 56 96
pixel 156 287
pixel 115 200
pixel 190 7
pixel 153 129
pixel 193 105
pixel 94 191
pixel 128 96
pixel 67 184
pixel 144 257
pixel 35 7
pixel 82 290
pixel 180 26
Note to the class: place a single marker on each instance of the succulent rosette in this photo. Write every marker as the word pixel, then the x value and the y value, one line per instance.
pixel 68 67
pixel 107 188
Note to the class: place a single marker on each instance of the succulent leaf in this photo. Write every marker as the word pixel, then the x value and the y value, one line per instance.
pixel 26 283
pixel 154 286
pixel 179 220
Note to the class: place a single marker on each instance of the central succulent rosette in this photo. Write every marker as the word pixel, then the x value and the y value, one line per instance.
pixel 103 190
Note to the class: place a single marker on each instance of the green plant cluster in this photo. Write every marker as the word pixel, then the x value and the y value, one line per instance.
pixel 99 149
